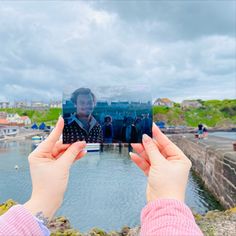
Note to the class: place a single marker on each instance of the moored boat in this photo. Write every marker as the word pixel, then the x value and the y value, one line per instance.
pixel 8 131
pixel 93 147
pixel 36 138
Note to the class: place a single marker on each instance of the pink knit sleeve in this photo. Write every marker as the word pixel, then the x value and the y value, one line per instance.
pixel 19 221
pixel 168 217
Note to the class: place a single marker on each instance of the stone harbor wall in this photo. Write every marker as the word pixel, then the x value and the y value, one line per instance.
pixel 214 161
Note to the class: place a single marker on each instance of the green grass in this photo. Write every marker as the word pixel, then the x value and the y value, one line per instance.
pixel 161 110
pixel 212 113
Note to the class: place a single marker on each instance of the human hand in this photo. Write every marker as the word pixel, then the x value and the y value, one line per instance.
pixel 165 165
pixel 49 164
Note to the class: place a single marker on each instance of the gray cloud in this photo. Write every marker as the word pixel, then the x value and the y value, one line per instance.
pixel 182 49
pixel 179 19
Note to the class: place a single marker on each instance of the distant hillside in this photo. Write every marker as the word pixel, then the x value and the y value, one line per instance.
pixel 48 116
pixel 213 113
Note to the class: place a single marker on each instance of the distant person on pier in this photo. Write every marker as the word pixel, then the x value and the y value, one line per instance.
pixel 200 131
pixel 164 164
pixel 205 132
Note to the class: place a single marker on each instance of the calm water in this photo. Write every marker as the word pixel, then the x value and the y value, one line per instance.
pixel 231 135
pixel 105 189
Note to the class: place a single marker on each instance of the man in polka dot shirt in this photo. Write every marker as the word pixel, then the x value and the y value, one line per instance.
pixel 82 125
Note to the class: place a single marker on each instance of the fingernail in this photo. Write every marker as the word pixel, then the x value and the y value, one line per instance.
pixel 59 118
pixel 146 138
pixel 80 143
pixel 130 153
pixel 155 125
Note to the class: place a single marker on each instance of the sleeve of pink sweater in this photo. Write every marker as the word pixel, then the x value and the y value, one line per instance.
pixel 168 217
pixel 18 221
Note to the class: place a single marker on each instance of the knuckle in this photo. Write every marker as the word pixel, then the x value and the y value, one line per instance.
pixel 152 148
pixel 74 151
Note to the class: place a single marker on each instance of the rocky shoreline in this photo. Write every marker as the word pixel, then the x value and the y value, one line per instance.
pixel 213 223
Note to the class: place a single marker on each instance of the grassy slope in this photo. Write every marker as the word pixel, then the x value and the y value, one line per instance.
pixel 49 117
pixel 212 113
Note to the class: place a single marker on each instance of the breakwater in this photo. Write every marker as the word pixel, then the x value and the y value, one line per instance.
pixel 214 160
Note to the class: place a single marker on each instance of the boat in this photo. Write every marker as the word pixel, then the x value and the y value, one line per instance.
pixel 92 147
pixel 2 135
pixel 8 131
pixel 36 138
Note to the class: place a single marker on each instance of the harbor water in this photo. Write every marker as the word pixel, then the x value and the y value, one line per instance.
pixel 105 190
pixel 230 135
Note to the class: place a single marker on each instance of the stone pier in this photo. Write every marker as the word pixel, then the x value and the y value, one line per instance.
pixel 214 161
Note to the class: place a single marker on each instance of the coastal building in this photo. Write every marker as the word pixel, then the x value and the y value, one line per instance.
pixel 4 105
pixel 163 102
pixel 14 118
pixel 39 106
pixel 20 104
pixel 190 104
pixel 55 104
pixel 4 122
pixel 25 120
pixel 3 115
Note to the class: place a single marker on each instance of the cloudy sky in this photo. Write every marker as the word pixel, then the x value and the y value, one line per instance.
pixel 180 49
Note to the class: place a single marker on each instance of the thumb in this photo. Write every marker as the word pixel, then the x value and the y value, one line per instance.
pixel 71 153
pixel 152 150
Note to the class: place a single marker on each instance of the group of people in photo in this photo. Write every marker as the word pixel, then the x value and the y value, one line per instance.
pixel 128 130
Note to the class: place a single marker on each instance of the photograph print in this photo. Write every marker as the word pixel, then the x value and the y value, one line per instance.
pixel 106 115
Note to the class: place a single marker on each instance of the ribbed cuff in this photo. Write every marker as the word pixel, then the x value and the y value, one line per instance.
pixel 166 203
pixel 168 217
pixel 19 221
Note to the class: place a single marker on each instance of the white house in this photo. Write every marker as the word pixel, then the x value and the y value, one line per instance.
pixel 25 120
pixel 163 102
pixel 39 106
pixel 3 115
pixel 21 104
pixel 14 118
pixel 55 104
pixel 190 103
pixel 4 104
